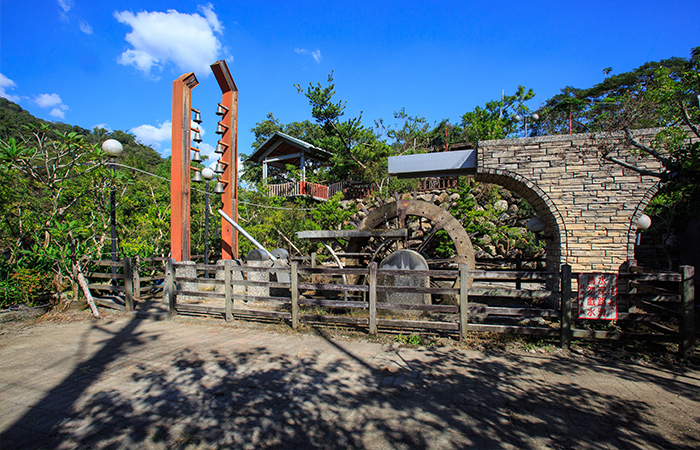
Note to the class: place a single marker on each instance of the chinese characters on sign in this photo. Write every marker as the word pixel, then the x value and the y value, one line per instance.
pixel 597 296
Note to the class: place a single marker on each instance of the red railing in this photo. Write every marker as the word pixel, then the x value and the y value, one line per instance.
pixel 298 188
pixel 350 189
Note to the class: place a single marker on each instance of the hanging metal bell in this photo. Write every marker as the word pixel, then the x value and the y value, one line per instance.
pixel 197 157
pixel 197 117
pixel 220 148
pixel 219 188
pixel 197 137
pixel 220 128
pixel 220 110
pixel 219 168
pixel 197 177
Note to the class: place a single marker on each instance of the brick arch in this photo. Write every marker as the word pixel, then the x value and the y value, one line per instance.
pixel 546 209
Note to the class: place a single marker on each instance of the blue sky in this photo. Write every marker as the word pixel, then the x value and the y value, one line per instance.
pixel 111 64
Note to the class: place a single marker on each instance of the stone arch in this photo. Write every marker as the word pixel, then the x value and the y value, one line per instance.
pixel 555 227
pixel 639 210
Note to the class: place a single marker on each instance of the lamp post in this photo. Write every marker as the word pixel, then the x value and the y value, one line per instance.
pixel 113 148
pixel 533 116
pixel 643 223
pixel 208 175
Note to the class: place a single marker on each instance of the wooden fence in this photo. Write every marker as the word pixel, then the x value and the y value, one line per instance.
pixel 121 283
pixel 661 302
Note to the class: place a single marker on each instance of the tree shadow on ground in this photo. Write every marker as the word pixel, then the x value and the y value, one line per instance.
pixel 220 396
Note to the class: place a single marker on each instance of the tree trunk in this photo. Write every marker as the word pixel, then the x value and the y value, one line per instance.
pixel 88 296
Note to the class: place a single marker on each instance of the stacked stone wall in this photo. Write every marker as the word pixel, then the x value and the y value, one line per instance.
pixel 589 204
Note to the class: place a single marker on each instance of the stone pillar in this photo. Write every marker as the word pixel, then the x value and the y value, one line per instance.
pixel 404 260
pixel 258 258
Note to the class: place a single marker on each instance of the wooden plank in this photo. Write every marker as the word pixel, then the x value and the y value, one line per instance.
pixel 137 279
pixel 228 290
pixel 345 234
pixel 511 329
pixel 295 294
pixel 128 284
pixel 417 290
pixel 674 277
pixel 149 279
pixel 261 313
pixel 411 307
pixel 199 280
pixel 169 292
pixel 271 284
pixel 675 298
pixel 512 275
pixel 331 271
pixel 333 303
pixel 152 287
pixel 203 294
pixel 566 299
pixel 616 335
pixel 419 273
pixel 109 303
pixel 104 276
pixel 687 340
pixel 334 319
pixel 261 299
pixel 105 263
pixel 463 301
pixel 396 323
pixel 262 269
pixel 106 287
pixel 154 259
pixel 333 287
pixel 644 317
pixel 658 308
pixel 373 298
pixel 200 309
pixel 661 328
pixel 510 293
pixel 517 312
pixel 651 289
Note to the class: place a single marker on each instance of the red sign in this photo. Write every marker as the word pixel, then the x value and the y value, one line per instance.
pixel 597 296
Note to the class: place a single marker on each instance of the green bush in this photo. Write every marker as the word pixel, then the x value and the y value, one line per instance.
pixel 24 286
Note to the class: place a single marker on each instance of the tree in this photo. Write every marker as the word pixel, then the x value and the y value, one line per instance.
pixel 412 135
pixel 358 153
pixel 611 104
pixel 496 120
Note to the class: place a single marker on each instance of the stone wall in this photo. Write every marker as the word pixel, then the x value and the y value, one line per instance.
pixel 590 205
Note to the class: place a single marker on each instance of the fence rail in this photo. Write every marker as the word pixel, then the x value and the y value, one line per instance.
pixel 310 295
pixel 663 303
pixel 127 281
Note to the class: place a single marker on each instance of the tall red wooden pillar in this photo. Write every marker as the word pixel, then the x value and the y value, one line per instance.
pixel 229 139
pixel 180 167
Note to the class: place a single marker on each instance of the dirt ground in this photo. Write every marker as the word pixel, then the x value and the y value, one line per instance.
pixel 71 381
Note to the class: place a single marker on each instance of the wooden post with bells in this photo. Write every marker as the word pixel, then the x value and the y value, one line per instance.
pixel 180 167
pixel 227 149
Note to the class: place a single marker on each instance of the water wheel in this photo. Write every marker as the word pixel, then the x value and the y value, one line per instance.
pixel 422 220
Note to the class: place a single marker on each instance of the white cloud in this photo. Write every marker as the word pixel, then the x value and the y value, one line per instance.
pixel 186 40
pixel 103 126
pixel 48 100
pixel 210 15
pixel 86 28
pixel 5 85
pixel 53 101
pixel 65 5
pixel 316 54
pixel 153 136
